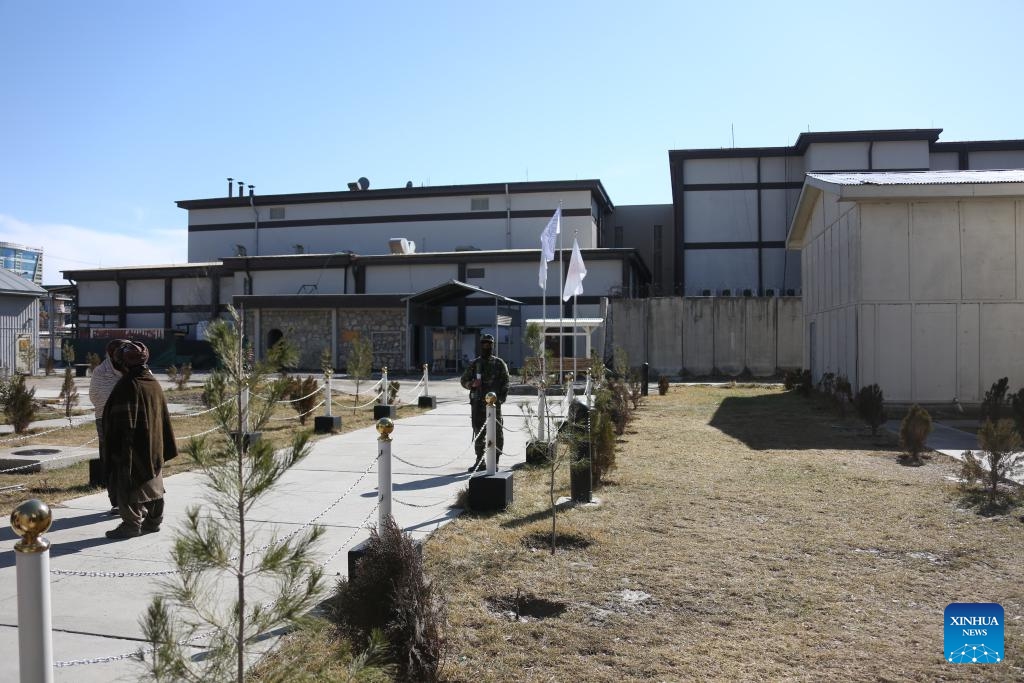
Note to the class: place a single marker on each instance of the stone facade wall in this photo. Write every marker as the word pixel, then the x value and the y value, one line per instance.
pixel 385 328
pixel 310 332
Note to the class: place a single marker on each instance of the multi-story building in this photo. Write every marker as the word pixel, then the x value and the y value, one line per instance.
pixel 27 262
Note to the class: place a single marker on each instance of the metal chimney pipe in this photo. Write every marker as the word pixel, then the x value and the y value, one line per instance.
pixel 251 187
pixel 241 185
pixel 230 185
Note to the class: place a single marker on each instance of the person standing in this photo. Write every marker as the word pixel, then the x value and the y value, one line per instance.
pixel 138 439
pixel 484 374
pixel 101 383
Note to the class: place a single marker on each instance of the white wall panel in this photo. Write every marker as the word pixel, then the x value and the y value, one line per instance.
pixel 894 343
pixel 900 154
pixel 934 261
pixel 698 335
pixel 145 293
pixel 192 291
pixel 1002 331
pixel 944 161
pixel 836 156
pixel 734 269
pixel 884 236
pixel 97 294
pixel 699 171
pixel 935 353
pixel 1020 250
pixel 720 216
pixel 775 214
pixel 867 349
pixel 989 263
pixel 1005 159
pixel 968 338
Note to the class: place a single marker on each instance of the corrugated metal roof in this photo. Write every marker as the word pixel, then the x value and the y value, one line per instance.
pixel 12 283
pixel 1015 175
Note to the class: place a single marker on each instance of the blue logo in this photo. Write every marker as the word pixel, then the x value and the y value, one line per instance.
pixel 974 633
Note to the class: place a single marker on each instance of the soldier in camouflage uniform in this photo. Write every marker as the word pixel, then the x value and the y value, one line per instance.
pixel 484 374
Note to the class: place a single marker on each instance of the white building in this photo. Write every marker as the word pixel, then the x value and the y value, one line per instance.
pixel 732 207
pixel 914 280
pixel 323 267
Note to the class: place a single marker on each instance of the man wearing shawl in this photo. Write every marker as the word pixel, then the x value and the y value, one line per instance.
pixel 138 439
pixel 104 378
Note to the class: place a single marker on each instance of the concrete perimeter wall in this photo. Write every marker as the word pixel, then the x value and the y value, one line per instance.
pixel 708 335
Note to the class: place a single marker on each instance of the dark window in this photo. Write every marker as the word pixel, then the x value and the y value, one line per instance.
pixel 479 204
pixel 276 212
pixel 474 272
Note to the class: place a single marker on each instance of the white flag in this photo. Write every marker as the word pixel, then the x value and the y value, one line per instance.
pixel 547 245
pixel 577 271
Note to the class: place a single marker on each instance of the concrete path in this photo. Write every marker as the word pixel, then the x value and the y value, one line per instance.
pixel 96 617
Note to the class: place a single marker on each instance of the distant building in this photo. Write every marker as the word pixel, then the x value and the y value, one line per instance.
pixel 56 321
pixel 733 206
pixel 324 268
pixel 19 324
pixel 27 262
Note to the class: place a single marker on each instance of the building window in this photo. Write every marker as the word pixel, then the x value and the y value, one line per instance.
pixel 474 273
pixel 656 247
pixel 276 213
pixel 617 240
pixel 479 204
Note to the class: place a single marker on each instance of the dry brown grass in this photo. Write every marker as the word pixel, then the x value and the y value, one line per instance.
pixel 747 535
pixel 56 485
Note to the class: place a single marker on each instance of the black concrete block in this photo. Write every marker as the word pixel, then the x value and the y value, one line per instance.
pixel 357 553
pixel 323 424
pixel 428 402
pixel 488 493
pixel 384 411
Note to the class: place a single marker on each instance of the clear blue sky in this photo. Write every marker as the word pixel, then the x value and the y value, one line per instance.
pixel 111 111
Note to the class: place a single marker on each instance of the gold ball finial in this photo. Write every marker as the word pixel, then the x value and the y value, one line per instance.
pixel 385 426
pixel 384 369
pixel 491 398
pixel 424 367
pixel 30 520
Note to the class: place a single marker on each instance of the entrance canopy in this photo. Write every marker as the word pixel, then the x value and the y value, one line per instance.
pixel 447 292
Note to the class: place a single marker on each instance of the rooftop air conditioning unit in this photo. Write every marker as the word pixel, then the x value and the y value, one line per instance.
pixel 401 245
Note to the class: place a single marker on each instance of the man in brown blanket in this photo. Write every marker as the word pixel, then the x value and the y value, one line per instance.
pixel 138 439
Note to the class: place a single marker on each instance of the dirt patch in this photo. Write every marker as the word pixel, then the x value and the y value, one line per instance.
pixel 563 541
pixel 524 607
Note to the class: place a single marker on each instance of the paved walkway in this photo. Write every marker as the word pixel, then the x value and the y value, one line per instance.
pixel 97 617
pixel 950 441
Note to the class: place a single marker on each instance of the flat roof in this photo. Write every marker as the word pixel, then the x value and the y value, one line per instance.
pixel 1014 175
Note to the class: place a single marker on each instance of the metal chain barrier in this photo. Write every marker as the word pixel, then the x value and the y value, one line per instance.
pixel 297 416
pixel 285 400
pixel 51 431
pixel 444 464
pixel 358 393
pixel 419 505
pixel 203 412
pixel 190 436
pixel 412 393
pixel 344 545
pixel 369 403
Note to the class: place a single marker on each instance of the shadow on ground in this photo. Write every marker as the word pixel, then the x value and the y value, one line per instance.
pixel 787 421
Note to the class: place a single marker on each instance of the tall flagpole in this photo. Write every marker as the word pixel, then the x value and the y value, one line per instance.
pixel 575 233
pixel 561 288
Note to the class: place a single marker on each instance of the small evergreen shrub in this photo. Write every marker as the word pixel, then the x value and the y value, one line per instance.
pixel 389 592
pixel 49 365
pixel 799 380
pixel 1000 458
pixel 93 359
pixel 993 405
pixel 1017 408
pixel 914 431
pixel 181 376
pixel 67 351
pixel 303 396
pixel 662 385
pixel 68 393
pixel 870 406
pixel 19 404
pixel 602 435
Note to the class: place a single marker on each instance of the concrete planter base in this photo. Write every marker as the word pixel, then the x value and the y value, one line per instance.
pixel 428 402
pixel 326 425
pixel 490 493
pixel 385 411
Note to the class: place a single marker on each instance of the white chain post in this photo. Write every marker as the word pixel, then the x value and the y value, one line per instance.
pixel 588 389
pixel 327 394
pixel 426 381
pixel 384 427
pixel 384 383
pixel 30 520
pixel 491 452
